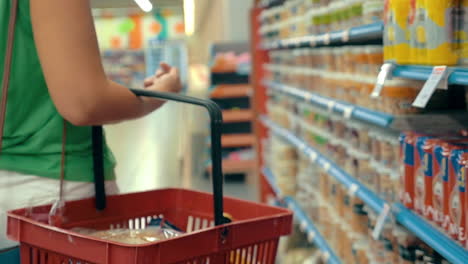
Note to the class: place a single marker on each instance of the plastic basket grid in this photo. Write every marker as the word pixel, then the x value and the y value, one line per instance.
pixel 251 239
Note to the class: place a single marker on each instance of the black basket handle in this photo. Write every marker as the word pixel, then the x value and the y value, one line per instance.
pixel 216 118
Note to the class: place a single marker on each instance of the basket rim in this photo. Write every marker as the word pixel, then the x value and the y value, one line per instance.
pixel 281 213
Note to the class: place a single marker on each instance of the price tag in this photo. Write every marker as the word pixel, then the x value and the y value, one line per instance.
pixel 326 167
pixel 303 225
pixel 326 39
pixel 331 106
pixel 311 236
pixel 307 96
pixel 348 112
pixel 385 73
pixel 313 41
pixel 325 256
pixel 313 156
pixel 380 222
pixel 353 189
pixel 345 37
pixel 437 75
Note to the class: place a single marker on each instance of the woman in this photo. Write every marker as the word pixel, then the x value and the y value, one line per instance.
pixel 57 75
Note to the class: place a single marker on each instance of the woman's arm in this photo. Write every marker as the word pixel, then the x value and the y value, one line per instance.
pixel 68 50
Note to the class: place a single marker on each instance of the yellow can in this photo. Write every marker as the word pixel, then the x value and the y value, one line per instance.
pixel 397 33
pixel 418 38
pixel 462 32
pixel 441 45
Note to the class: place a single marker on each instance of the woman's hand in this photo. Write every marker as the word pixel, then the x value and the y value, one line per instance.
pixel 166 79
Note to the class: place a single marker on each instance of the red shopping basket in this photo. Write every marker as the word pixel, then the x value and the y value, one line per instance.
pixel 251 237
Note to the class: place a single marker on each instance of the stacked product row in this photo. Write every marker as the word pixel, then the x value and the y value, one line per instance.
pixel 425 173
pixel 349 74
pixel 430 32
pixel 298 18
pixel 368 154
pixel 434 180
pixel 342 218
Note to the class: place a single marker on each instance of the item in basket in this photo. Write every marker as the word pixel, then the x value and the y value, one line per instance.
pixel 457 174
pixel 132 236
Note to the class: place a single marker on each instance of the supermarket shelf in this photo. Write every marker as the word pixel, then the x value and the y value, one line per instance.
pixel 437 240
pixel 440 121
pixel 361 191
pixel 237 140
pixel 356 34
pixel 235 166
pixel 237 115
pixel 306 224
pixel 335 106
pixel 270 177
pixel 312 232
pixel 231 91
pixel 441 243
pixel 459 76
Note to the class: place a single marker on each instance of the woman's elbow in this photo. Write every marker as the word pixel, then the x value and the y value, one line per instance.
pixel 80 114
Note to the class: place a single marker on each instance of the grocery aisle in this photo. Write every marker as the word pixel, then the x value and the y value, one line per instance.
pixel 361 109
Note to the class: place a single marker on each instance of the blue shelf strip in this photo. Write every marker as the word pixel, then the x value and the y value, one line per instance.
pixel 458 76
pixel 418 226
pixel 342 108
pixel 301 217
pixel 368 32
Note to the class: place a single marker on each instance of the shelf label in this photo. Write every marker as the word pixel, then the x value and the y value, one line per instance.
pixel 303 225
pixel 348 112
pixel 326 39
pixel 312 41
pixel 325 256
pixel 434 81
pixel 353 189
pixel 379 225
pixel 311 236
pixel 331 105
pixel 386 72
pixel 345 37
pixel 326 167
pixel 313 156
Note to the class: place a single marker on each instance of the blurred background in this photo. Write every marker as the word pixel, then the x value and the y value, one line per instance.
pixel 208 41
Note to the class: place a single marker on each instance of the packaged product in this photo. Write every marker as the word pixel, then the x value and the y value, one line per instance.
pixel 421 166
pixel 418 41
pixel 462 32
pixel 457 178
pixel 157 230
pixel 407 142
pixel 440 187
pixel 407 246
pixel 372 11
pixel 396 31
pixel 441 47
pixel 397 97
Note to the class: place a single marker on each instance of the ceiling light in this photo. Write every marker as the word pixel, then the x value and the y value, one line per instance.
pixel 145 5
pixel 189 17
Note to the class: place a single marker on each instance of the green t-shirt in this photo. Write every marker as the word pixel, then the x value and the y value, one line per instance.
pixel 32 140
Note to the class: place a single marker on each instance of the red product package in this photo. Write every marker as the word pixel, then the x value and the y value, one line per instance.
pixel 422 163
pixel 407 143
pixel 455 215
pixel 435 160
pixel 430 168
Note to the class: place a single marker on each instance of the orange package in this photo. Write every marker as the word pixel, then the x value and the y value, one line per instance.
pixel 421 167
pixel 457 196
